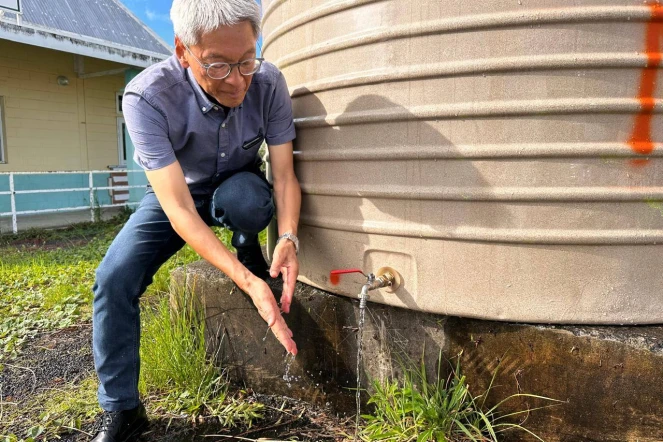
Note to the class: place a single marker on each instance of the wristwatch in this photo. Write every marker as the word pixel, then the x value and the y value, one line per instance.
pixel 291 237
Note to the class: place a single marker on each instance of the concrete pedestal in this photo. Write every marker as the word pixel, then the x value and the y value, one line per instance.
pixel 609 377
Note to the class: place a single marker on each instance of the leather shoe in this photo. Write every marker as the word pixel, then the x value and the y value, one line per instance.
pixel 252 258
pixel 121 426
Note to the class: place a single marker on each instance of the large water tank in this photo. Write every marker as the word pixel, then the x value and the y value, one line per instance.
pixel 501 155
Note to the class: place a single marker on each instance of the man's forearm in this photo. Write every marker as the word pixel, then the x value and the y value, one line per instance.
pixel 202 239
pixel 288 202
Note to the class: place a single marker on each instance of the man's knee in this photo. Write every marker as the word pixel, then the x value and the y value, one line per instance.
pixel 243 202
pixel 113 271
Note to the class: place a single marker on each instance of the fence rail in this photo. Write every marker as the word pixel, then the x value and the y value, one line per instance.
pixel 91 188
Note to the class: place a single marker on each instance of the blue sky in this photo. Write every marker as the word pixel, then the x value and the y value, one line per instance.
pixel 156 15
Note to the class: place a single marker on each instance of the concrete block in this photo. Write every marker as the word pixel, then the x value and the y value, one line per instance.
pixel 608 377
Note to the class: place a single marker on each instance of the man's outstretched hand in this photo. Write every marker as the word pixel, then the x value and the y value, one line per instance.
pixel 285 261
pixel 264 300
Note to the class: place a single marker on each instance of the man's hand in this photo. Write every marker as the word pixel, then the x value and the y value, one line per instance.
pixel 175 198
pixel 285 261
pixel 264 300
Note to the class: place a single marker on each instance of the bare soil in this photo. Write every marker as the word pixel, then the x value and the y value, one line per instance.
pixel 64 357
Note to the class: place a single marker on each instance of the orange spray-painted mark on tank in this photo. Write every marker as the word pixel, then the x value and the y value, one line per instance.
pixel 640 140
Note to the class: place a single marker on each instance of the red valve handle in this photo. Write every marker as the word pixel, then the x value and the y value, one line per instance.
pixel 335 275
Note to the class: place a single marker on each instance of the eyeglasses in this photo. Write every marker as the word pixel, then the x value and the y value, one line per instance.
pixel 219 71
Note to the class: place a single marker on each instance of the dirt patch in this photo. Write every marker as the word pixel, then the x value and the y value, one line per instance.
pixel 61 357
pixel 49 362
pixel 32 244
pixel 64 357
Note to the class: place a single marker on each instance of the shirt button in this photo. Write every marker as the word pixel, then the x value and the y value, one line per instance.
pixel 223 155
pixel 223 125
pixel 216 107
pixel 204 109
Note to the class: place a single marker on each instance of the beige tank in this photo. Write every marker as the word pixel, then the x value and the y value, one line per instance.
pixel 503 156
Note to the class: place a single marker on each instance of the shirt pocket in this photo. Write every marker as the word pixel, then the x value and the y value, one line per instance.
pixel 253 142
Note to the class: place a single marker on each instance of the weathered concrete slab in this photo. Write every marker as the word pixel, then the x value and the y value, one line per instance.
pixel 610 377
pixel 325 329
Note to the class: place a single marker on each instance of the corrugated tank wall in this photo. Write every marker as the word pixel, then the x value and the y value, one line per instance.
pixel 503 156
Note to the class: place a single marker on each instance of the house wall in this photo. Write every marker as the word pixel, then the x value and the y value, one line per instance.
pixel 53 127
pixel 49 127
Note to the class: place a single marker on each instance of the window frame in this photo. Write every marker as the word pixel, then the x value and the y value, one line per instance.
pixel 121 140
pixel 3 132
pixel 121 125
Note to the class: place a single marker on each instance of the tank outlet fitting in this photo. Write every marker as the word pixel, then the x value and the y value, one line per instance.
pixel 387 278
pixel 392 280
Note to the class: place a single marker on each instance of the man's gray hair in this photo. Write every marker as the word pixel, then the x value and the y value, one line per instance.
pixel 193 18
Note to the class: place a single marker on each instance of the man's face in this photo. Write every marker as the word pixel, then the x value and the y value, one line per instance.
pixel 227 44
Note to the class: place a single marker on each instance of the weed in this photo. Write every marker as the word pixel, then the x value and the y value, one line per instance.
pixel 45 283
pixel 416 409
pixel 178 368
pixel 45 288
pixel 46 277
pixel 60 411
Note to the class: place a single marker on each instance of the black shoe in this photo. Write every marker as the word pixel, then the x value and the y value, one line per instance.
pixel 252 258
pixel 121 426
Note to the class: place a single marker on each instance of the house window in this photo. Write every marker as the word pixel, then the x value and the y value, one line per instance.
pixel 3 132
pixel 121 141
pixel 121 132
pixel 118 103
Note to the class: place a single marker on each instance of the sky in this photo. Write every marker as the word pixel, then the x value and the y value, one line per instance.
pixel 156 15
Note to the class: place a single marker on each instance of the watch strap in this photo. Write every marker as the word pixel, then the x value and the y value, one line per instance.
pixel 292 237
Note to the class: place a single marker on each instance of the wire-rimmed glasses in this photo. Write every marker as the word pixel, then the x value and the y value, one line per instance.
pixel 219 71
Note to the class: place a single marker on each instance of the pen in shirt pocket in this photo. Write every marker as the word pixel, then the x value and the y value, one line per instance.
pixel 254 141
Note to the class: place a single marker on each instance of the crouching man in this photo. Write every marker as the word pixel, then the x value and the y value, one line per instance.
pixel 197 121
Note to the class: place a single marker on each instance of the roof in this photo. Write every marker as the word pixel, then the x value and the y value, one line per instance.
pixel 104 27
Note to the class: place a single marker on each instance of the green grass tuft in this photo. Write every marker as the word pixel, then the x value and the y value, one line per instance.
pixel 416 409
pixel 178 373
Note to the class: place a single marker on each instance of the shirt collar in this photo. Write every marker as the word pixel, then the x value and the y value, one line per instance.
pixel 204 103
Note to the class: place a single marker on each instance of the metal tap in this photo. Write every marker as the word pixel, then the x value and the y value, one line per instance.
pixel 386 279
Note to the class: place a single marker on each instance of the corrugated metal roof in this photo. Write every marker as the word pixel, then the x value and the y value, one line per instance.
pixel 106 20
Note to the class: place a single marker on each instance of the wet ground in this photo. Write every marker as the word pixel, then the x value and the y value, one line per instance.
pixel 64 357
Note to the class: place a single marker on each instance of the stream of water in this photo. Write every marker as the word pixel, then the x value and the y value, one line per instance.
pixel 360 348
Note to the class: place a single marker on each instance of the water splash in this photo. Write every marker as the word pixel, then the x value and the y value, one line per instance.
pixel 288 363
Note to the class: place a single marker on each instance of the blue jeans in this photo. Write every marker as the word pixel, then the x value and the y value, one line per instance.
pixel 242 203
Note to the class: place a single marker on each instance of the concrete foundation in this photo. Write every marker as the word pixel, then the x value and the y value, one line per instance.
pixel 608 377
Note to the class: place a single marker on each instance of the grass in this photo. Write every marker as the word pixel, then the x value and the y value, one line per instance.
pixel 57 411
pixel 46 278
pixel 416 409
pixel 178 372
pixel 45 284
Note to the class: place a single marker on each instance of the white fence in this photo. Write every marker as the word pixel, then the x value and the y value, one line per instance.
pixel 91 188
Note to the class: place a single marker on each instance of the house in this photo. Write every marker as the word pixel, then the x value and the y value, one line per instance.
pixel 63 68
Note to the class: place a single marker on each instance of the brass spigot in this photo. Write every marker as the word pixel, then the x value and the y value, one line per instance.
pixel 387 278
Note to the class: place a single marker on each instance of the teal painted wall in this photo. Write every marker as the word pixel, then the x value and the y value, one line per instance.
pixel 5 202
pixel 55 200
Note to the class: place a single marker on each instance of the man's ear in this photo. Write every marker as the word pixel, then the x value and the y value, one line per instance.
pixel 180 52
